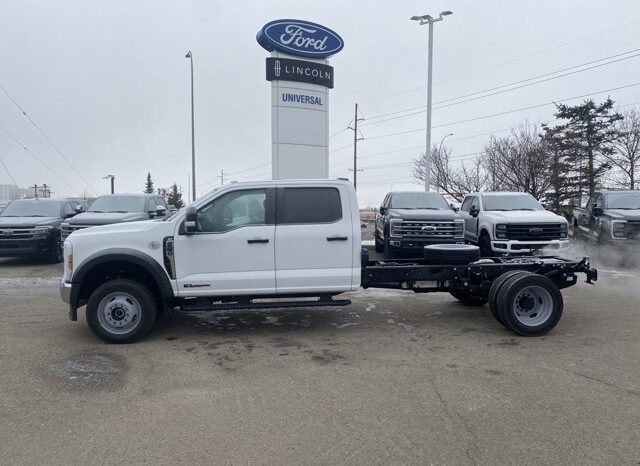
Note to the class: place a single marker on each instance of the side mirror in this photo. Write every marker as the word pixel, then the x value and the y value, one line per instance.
pixel 597 211
pixel 79 208
pixel 383 210
pixel 454 208
pixel 161 211
pixel 474 211
pixel 191 221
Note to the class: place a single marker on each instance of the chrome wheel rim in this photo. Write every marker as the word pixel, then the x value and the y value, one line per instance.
pixel 533 306
pixel 119 313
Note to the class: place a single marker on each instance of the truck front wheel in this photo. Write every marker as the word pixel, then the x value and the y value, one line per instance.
pixel 121 311
pixel 485 245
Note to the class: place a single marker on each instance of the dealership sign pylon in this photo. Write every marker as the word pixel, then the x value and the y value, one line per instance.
pixel 300 78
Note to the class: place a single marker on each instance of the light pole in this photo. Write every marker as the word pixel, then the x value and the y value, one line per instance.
pixel 440 155
pixel 112 178
pixel 426 19
pixel 189 55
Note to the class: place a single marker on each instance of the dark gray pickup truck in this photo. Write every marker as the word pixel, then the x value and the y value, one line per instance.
pixel 610 217
pixel 410 220
pixel 117 208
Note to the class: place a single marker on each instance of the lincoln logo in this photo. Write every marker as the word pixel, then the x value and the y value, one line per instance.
pixel 277 68
pixel 535 231
pixel 429 228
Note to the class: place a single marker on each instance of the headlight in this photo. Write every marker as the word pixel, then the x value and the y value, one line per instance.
pixel 68 261
pixel 41 230
pixel 395 223
pixel 564 230
pixel 618 228
pixel 501 231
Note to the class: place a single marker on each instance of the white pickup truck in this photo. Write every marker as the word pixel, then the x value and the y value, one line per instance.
pixel 511 223
pixel 299 242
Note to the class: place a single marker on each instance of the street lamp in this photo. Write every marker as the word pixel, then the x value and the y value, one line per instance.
pixel 426 19
pixel 193 138
pixel 439 153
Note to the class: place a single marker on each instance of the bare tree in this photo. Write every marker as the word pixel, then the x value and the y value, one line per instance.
pixel 518 162
pixel 626 157
pixel 454 181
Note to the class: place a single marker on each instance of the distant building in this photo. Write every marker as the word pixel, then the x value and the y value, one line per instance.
pixel 10 192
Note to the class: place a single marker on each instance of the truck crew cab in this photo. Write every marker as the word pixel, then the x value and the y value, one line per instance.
pixel 610 217
pixel 410 220
pixel 286 243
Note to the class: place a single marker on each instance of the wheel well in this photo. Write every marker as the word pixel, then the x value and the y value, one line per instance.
pixel 483 231
pixel 113 270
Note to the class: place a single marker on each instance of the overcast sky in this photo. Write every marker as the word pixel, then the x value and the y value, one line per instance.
pixel 107 82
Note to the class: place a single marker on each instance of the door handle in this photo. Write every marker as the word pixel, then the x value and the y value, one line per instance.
pixel 337 238
pixel 258 240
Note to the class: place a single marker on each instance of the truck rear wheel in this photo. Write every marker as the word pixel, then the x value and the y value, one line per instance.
pixel 530 305
pixel 121 311
pixel 496 286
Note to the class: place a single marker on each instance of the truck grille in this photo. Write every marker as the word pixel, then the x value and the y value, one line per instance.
pixel 632 229
pixel 428 229
pixel 534 231
pixel 68 229
pixel 15 233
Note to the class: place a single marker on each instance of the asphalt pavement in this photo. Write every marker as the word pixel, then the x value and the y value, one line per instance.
pixel 395 378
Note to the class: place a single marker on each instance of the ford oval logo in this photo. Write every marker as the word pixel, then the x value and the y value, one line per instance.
pixel 302 38
pixel 428 228
pixel 535 231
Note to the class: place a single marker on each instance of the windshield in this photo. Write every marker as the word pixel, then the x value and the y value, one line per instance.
pixel 118 204
pixel 32 208
pixel 511 202
pixel 624 200
pixel 418 201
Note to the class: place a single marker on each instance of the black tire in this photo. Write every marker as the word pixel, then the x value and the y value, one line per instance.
pixel 451 254
pixel 379 245
pixel 530 305
pixel 468 299
pixel 495 289
pixel 105 327
pixel 485 245
pixel 55 254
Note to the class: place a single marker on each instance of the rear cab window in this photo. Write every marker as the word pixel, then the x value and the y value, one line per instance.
pixel 308 205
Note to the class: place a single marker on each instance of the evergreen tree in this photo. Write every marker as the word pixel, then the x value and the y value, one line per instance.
pixel 175 197
pixel 149 186
pixel 587 137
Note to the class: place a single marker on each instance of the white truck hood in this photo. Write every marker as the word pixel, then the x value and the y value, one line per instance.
pixel 524 216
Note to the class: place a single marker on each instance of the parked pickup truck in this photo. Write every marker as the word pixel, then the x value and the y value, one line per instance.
pixel 610 217
pixel 279 244
pixel 410 220
pixel 117 208
pixel 31 227
pixel 511 223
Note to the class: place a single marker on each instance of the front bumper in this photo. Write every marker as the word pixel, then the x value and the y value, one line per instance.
pixel 24 247
pixel 404 244
pixel 515 246
pixel 67 293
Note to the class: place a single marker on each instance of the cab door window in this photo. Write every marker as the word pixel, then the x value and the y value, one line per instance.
pixel 234 210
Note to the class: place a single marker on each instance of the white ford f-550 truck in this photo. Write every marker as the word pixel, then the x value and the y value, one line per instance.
pixel 299 242
pixel 511 223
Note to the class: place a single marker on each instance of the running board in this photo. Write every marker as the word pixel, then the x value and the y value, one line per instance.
pixel 211 305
